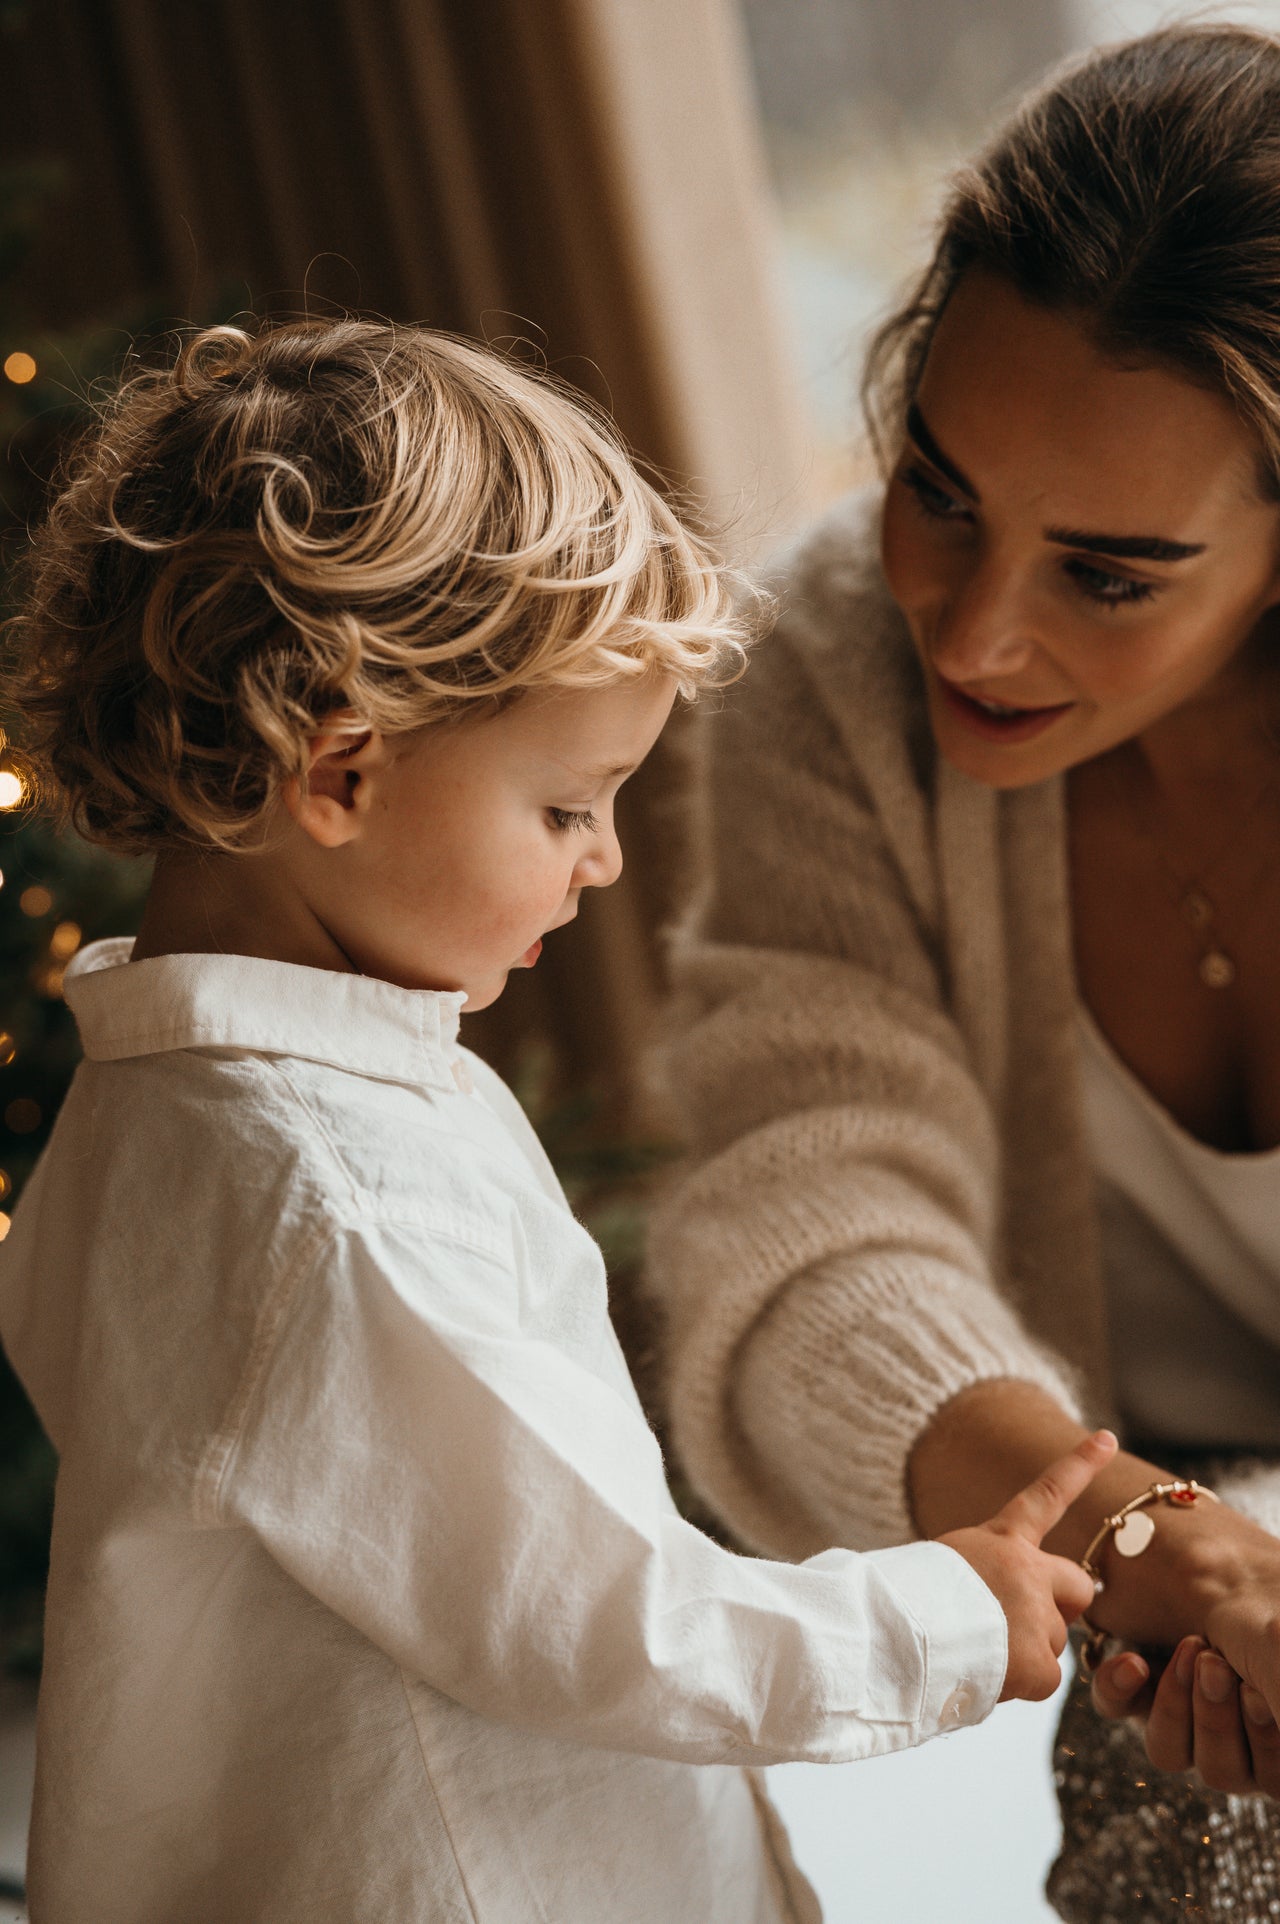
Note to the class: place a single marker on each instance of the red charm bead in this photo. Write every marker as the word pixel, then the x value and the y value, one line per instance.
pixel 1183 1496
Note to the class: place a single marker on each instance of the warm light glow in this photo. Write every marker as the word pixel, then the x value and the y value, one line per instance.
pixel 65 940
pixel 23 1115
pixel 6 1183
pixel 4 1225
pixel 19 368
pixel 48 980
pixel 8 1050
pixel 11 789
pixel 1 878
pixel 36 900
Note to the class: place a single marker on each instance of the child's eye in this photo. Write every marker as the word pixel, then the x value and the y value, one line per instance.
pixel 1108 590
pixel 934 500
pixel 579 818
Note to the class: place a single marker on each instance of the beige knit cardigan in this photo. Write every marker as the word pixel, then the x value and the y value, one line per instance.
pixel 873 1054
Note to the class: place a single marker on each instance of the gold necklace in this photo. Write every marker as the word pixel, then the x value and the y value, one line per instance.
pixel 1216 967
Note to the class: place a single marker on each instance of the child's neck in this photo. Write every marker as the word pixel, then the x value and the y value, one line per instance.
pixel 207 903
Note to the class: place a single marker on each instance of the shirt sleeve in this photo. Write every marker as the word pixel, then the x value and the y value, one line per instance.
pixel 495 1516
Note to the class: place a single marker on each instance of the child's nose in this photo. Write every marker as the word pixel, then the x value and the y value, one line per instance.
pixel 601 864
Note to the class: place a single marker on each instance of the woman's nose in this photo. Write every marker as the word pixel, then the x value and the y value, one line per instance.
pixel 981 630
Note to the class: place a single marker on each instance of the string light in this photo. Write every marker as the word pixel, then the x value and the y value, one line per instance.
pixel 36 900
pixel 11 789
pixel 8 1050
pixel 4 1225
pixel 6 1183
pixel 20 368
pixel 65 940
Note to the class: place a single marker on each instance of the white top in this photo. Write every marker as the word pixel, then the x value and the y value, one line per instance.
pixel 368 1599
pixel 1191 1249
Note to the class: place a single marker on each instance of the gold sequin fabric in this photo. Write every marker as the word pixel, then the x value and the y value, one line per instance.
pixel 1138 1845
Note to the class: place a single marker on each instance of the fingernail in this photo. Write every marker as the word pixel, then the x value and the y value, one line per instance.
pixel 1215 1678
pixel 1256 1708
pixel 1184 1664
pixel 1130 1672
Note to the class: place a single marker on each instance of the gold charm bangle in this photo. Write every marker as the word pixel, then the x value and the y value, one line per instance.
pixel 1130 1531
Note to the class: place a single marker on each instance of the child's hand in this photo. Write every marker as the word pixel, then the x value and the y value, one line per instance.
pixel 1040 1594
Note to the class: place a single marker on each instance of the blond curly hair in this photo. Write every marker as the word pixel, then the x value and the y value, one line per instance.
pixel 309 517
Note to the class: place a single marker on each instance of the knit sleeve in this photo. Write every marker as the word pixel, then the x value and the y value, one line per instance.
pixel 824 1261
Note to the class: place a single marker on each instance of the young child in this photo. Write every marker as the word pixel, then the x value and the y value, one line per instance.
pixel 368 1601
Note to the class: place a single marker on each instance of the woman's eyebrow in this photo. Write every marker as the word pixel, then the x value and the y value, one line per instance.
pixel 1125 547
pixel 920 434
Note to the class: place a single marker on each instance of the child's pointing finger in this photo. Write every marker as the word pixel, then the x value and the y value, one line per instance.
pixel 1034 1511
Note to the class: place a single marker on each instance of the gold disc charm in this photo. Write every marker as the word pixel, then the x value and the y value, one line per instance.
pixel 1134 1534
pixel 1217 971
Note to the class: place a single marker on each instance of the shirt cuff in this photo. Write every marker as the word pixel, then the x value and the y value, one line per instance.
pixel 963 1628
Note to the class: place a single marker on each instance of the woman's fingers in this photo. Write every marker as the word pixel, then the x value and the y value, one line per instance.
pixel 1033 1512
pixel 1171 1730
pixel 1263 1735
pixel 1223 1755
pixel 1123 1687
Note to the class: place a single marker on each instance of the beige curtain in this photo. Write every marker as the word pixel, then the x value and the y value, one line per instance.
pixel 582 173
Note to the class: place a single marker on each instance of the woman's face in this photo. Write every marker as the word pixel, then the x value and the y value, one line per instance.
pixel 1080 549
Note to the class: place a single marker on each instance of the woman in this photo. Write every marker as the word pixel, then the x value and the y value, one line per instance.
pixel 979 1018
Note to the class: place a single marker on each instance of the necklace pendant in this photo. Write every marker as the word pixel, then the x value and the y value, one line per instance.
pixel 1217 971
pixel 1197 908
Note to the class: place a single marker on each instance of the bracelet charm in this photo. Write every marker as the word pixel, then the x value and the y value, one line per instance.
pixel 1133 1534
pixel 1130 1531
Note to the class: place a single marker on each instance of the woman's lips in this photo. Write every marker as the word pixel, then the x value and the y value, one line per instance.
pixel 999 722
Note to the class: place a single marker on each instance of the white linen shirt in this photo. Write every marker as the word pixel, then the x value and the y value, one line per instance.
pixel 368 1600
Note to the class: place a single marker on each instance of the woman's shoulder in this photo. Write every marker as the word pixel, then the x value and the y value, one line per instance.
pixel 828 583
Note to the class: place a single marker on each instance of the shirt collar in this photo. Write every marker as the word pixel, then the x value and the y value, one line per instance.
pixel 276 1008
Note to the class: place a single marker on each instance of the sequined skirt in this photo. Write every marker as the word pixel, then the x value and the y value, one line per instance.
pixel 1138 1845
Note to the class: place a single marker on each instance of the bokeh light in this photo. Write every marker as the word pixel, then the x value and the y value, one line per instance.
pixel 11 789
pixel 8 1050
pixel 65 940
pixel 36 900
pixel 4 1225
pixel 20 368
pixel 23 1116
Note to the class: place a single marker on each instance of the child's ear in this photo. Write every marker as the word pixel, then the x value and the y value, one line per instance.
pixel 331 804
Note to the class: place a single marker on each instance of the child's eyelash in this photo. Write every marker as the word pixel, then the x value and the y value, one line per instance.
pixel 579 818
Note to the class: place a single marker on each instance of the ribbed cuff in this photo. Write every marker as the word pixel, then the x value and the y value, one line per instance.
pixel 838 1382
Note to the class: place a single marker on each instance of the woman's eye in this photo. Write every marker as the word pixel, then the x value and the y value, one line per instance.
pixel 579 818
pixel 933 499
pixel 1108 590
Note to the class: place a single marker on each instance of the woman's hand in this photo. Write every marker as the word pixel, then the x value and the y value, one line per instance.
pixel 1195 1714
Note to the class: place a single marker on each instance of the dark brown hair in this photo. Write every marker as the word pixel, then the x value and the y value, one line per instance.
pixel 1141 190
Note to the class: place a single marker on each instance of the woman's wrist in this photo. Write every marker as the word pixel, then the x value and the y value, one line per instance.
pixel 991 1439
